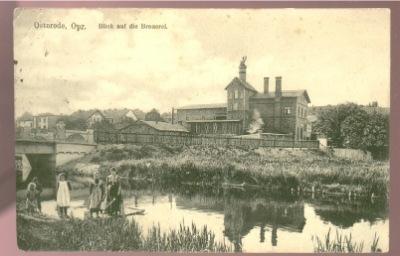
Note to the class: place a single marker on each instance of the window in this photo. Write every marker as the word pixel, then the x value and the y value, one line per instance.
pixel 230 93
pixel 235 106
pixel 287 110
pixel 236 94
pixel 187 118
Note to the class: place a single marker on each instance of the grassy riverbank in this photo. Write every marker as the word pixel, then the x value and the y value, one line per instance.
pixel 214 166
pixel 111 234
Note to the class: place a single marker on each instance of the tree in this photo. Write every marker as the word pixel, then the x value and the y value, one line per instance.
pixel 352 128
pixel 376 133
pixel 330 121
pixel 153 115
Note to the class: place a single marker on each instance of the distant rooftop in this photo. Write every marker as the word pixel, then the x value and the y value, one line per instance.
pixel 213 121
pixel 164 126
pixel 204 106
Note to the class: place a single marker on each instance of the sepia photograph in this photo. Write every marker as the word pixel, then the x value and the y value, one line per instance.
pixel 202 130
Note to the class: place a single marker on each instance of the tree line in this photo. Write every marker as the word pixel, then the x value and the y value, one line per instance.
pixel 354 126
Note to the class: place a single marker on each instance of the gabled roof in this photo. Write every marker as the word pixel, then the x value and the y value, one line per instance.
pixel 161 126
pixel 204 106
pixel 236 80
pixel 94 112
pixel 164 126
pixel 101 113
pixel 288 93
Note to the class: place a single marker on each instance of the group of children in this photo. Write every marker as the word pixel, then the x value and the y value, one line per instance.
pixel 104 197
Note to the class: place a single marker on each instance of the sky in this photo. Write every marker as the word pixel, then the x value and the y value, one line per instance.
pixel 337 55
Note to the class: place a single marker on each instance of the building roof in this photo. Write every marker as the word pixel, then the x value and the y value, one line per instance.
pixel 243 83
pixel 204 106
pixel 45 114
pixel 213 121
pixel 286 93
pixel 94 112
pixel 164 126
pixel 25 119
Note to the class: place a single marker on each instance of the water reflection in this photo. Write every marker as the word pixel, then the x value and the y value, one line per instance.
pixel 255 221
pixel 243 211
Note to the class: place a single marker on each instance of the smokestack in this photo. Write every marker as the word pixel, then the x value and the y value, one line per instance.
pixel 278 86
pixel 172 116
pixel 266 85
pixel 242 69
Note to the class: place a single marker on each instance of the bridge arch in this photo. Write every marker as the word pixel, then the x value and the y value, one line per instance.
pixel 76 137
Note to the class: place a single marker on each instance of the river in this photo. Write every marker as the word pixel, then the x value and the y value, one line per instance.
pixel 250 221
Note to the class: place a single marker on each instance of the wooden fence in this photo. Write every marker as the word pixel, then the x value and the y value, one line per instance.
pixel 102 137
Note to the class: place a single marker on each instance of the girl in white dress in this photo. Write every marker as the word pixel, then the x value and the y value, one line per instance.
pixel 63 195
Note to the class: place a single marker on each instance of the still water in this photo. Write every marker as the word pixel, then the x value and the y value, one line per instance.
pixel 252 222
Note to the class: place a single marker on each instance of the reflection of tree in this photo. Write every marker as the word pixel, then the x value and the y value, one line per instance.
pixel 346 214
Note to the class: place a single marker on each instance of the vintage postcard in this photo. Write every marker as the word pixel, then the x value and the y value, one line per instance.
pixel 202 130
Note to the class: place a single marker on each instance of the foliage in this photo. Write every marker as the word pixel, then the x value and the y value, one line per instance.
pixel 154 115
pixel 74 123
pixel 350 125
pixel 376 131
pixel 342 244
pixel 266 168
pixel 189 239
pixel 330 120
pixel 111 234
pixel 352 128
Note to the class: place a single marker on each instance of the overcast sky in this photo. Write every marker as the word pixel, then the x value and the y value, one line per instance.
pixel 337 55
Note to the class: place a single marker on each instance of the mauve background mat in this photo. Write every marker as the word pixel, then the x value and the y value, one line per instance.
pixel 8 244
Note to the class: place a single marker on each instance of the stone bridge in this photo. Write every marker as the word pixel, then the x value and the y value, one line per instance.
pixel 40 158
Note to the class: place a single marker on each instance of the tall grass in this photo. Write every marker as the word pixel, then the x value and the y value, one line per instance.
pixel 267 167
pixel 342 244
pixel 112 234
pixel 74 234
pixel 185 238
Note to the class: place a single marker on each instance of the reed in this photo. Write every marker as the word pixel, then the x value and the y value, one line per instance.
pixel 112 234
pixel 264 167
pixel 342 244
pixel 185 238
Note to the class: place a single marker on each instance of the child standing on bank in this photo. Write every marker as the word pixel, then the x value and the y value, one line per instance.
pixel 63 195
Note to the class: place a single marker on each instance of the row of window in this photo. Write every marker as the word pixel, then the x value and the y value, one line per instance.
pixel 235 94
pixel 301 112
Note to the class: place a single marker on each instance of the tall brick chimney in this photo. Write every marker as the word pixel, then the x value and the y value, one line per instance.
pixel 278 86
pixel 266 85
pixel 242 69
